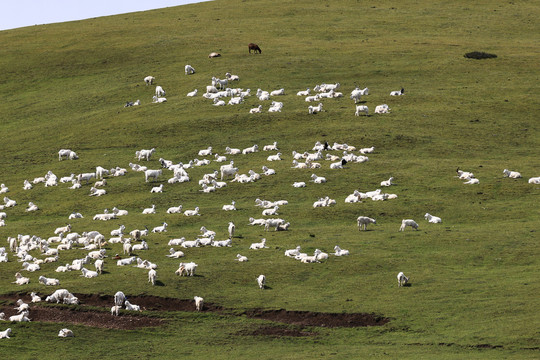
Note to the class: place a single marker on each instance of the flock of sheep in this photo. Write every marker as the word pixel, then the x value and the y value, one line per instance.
pixel 96 244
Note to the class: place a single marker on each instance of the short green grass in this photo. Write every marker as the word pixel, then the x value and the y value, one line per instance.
pixel 473 277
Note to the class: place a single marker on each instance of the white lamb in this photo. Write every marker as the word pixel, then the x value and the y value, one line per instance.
pixel 292 252
pixel 340 252
pixel 192 93
pixel 398 93
pixel 189 70
pixel 432 219
pixel 388 182
pixel 157 189
pixel 259 245
pixel 199 303
pixel 152 274
pixel 65 333
pixel 261 281
pixel 402 279
pixel 151 210
pixel 382 109
pixel 89 273
pixel 315 109
pixel 21 280
pixel 361 109
pixel 187 268
pixel 511 174
pixel 241 258
pixel 5 334
pixel 48 281
pixel 534 180
pixel 160 229
pixel 364 221
pixel 173 253
pixel 408 222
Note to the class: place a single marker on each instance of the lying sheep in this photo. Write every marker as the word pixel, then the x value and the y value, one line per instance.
pixel 5 334
pixel 432 219
pixel 65 333
pixel 511 174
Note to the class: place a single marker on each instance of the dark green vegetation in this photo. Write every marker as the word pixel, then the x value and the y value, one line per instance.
pixel 475 286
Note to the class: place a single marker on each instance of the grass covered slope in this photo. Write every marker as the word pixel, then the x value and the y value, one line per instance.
pixel 473 276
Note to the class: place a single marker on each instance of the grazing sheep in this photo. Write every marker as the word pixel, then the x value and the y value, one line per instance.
pixel 189 70
pixel 261 281
pixel 199 303
pixel 62 295
pixel 382 109
pixel 364 221
pixel 149 80
pixel 71 155
pixel 361 109
pixel 511 174
pixel 432 219
pixel 402 279
pixel 187 268
pixel 408 222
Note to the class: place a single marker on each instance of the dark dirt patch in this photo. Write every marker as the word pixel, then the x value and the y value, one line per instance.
pixel 277 331
pixel 479 55
pixel 307 318
pixel 82 314
pixel 73 315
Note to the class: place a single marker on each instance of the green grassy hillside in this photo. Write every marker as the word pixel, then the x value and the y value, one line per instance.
pixel 474 285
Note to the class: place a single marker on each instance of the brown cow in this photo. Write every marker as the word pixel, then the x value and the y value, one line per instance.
pixel 254 47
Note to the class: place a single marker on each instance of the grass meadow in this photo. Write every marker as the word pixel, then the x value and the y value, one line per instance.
pixel 474 287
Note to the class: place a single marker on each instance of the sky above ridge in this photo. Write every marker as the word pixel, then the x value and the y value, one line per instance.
pixel 21 13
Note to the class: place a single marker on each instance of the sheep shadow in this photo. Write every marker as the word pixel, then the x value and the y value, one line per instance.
pixel 159 283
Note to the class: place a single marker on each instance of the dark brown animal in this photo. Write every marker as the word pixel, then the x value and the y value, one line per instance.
pixel 254 47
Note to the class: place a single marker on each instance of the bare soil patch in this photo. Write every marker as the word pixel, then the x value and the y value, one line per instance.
pixel 278 331
pixel 308 318
pixel 83 314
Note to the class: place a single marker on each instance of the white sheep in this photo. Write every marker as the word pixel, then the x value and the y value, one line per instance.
pixel 9 203
pixel 271 211
pixel 511 174
pixel 432 219
pixel 261 281
pixel 534 180
pixel 189 70
pixel 20 280
pixel 158 100
pixel 256 110
pixel 340 252
pixel 99 266
pixel 5 334
pixel 48 281
pixel 402 279
pixel 65 333
pixel 131 307
pixel 303 92
pixel 174 209
pixel 388 182
pixel 259 222
pixel 160 229
pixel 232 77
pixel 277 92
pixel 149 80
pixel 71 155
pixel 299 184
pixel 199 303
pixel 187 268
pixel 250 150
pixel 361 109
pixel 35 298
pixel 62 295
pixel 151 210
pixel 152 274
pixel 472 181
pixel 315 109
pixel 173 253
pixel 408 222
pixel 364 221
pixel 192 93
pixel 157 189
pixel 241 258
pixel 293 252
pixel 27 185
pixel 382 109
pixel 89 273
pixel 317 179
pixel 22 317
pixel 159 91
pixel 97 192
pixel 115 310
pixel 259 245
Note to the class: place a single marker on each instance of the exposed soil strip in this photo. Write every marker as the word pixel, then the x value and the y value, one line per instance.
pixel 82 315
